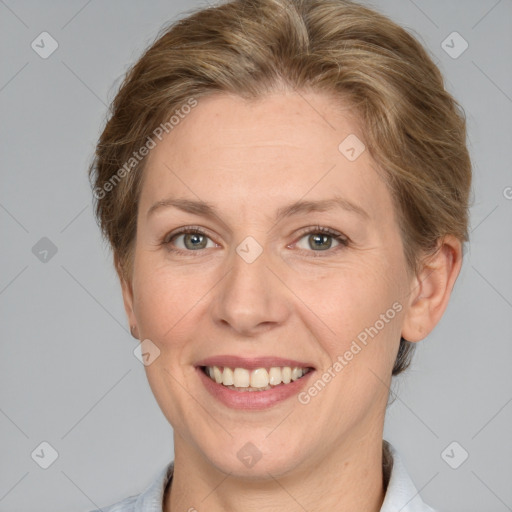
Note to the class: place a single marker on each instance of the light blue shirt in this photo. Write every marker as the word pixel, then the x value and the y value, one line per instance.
pixel 401 494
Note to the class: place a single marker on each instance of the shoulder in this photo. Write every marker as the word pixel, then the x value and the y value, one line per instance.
pixel 150 500
pixel 126 505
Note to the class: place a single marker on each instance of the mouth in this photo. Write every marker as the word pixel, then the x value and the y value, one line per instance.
pixel 257 383
pixel 259 379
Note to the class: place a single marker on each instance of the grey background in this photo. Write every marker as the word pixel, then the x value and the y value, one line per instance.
pixel 68 373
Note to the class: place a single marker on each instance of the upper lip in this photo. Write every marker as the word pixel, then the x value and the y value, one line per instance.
pixel 252 363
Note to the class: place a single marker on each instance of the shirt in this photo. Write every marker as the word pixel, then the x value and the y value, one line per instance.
pixel 401 494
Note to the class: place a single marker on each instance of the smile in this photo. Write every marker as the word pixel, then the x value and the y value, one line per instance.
pixel 258 379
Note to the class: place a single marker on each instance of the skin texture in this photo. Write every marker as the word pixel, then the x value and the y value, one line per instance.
pixel 295 300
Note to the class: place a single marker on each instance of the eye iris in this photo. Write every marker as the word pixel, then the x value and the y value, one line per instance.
pixel 319 241
pixel 193 238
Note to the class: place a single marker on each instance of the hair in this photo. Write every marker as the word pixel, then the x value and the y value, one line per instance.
pixel 413 128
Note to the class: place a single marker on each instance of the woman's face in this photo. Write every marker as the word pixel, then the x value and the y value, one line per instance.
pixel 264 284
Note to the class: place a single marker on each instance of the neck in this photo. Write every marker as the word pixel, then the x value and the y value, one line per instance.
pixel 348 478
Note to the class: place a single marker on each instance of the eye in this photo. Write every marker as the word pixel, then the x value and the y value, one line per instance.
pixel 192 239
pixel 320 239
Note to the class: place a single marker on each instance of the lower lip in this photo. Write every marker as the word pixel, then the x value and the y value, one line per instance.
pixel 253 399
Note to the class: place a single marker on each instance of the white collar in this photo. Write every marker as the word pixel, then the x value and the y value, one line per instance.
pixel 401 494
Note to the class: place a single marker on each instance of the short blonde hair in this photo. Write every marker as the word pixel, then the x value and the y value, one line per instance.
pixel 413 128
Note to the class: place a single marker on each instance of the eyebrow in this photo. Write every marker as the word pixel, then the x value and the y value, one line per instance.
pixel 298 207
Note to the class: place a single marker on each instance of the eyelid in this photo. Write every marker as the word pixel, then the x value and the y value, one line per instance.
pixel 322 229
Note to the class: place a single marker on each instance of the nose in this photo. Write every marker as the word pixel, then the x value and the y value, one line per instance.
pixel 251 298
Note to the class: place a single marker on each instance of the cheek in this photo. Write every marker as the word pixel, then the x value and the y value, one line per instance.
pixel 362 306
pixel 164 300
pixel 165 312
pixel 364 311
pixel 355 297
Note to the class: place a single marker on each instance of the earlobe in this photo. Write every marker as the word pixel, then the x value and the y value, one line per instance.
pixel 134 332
pixel 431 289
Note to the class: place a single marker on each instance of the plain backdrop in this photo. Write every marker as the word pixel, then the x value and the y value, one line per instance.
pixel 69 377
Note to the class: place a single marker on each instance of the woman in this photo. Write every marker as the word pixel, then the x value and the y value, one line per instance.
pixel 284 185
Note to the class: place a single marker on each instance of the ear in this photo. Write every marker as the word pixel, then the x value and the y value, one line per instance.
pixel 431 289
pixel 127 291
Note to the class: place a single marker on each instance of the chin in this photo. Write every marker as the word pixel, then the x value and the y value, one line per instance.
pixel 242 457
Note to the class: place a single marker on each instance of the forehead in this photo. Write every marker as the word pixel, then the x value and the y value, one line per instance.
pixel 291 122
pixel 282 147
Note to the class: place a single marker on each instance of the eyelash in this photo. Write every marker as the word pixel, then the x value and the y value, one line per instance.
pixel 343 241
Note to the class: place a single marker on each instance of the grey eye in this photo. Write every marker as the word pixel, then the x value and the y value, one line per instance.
pixel 318 241
pixel 191 241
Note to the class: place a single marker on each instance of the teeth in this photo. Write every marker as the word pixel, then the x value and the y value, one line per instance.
pixel 217 374
pixel 258 379
pixel 296 373
pixel 241 378
pixel 227 377
pixel 274 376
